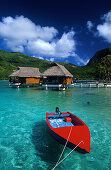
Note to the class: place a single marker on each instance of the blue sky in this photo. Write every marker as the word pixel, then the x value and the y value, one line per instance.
pixel 56 30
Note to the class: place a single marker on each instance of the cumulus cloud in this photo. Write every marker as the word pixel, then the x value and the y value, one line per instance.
pixel 104 29
pixel 81 61
pixel 39 57
pixel 24 29
pixel 89 25
pixel 52 59
pixel 18 31
pixel 20 34
pixel 66 45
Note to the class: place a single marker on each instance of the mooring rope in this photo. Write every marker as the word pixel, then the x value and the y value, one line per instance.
pixel 66 156
pixel 64 146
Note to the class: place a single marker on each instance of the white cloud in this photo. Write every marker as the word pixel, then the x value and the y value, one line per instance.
pixel 63 47
pixel 16 32
pixel 24 29
pixel 83 61
pixel 107 17
pixel 40 47
pixel 51 59
pixel 89 25
pixel 104 29
pixel 66 45
pixel 80 61
pixel 40 58
pixel 22 35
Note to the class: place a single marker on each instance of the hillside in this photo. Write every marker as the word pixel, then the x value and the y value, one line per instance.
pixel 99 66
pixel 96 59
pixel 101 61
pixel 9 61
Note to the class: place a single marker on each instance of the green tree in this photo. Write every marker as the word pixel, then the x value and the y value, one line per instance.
pixel 104 68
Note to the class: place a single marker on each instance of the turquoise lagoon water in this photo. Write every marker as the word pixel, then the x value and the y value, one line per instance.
pixel 25 142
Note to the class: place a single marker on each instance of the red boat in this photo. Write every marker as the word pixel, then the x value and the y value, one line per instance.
pixel 68 128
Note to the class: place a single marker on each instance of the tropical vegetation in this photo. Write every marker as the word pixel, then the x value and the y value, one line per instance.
pixel 99 66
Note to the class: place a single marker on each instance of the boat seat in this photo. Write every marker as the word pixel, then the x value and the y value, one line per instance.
pixel 58 116
pixel 59 122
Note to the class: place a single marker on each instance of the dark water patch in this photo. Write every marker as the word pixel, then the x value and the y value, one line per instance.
pixel 91 94
pixel 37 89
pixel 46 147
pixel 3 154
pixel 88 102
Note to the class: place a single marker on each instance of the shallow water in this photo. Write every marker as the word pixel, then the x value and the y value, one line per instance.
pixel 25 142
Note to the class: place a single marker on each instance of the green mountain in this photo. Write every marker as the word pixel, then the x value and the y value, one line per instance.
pixel 101 61
pixel 9 61
pixel 99 66
pixel 96 59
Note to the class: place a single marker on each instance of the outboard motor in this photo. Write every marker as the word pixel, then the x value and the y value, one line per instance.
pixel 57 110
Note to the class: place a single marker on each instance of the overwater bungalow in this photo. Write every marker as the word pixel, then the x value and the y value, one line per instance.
pixel 24 77
pixel 57 76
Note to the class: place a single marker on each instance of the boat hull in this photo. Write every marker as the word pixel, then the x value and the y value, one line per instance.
pixel 79 134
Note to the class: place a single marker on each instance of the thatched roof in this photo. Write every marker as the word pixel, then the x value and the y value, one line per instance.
pixel 26 72
pixel 57 70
